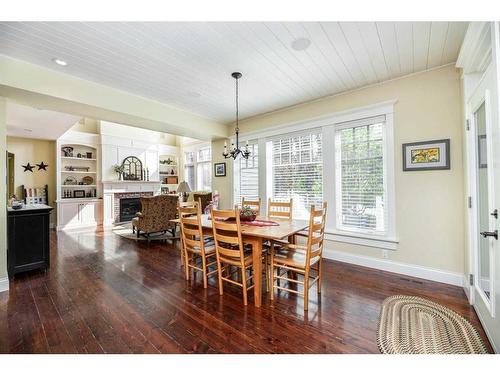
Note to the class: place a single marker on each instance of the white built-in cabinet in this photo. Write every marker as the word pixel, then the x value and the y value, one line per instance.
pixel 73 211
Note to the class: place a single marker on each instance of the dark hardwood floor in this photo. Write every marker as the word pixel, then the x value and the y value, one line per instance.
pixel 107 294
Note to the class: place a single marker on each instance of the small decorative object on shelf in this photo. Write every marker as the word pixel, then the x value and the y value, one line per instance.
pixel 67 151
pixel 89 155
pixel 147 174
pixel 119 169
pixel 70 180
pixel 79 194
pixel 72 168
pixel 172 172
pixel 79 155
pixel 247 214
pixel 88 180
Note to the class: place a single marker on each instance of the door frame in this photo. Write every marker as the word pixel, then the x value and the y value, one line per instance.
pixel 474 229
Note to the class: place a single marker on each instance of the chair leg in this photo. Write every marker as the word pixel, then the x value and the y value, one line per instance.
pixel 219 273
pixel 266 270
pixel 318 285
pixel 138 231
pixel 306 290
pixel 186 265
pixel 204 266
pixel 272 277
pixel 244 282
pixel 133 229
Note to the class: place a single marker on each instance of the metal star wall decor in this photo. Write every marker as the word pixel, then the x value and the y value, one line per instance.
pixel 28 167
pixel 42 165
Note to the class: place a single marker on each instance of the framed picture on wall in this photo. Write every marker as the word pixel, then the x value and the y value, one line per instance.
pixel 220 169
pixel 425 156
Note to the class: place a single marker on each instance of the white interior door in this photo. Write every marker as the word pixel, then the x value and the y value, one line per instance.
pixel 485 144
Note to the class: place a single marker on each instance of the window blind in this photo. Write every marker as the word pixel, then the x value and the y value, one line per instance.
pixel 246 176
pixel 297 170
pixel 361 176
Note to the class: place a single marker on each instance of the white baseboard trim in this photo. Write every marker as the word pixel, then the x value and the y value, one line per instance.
pixel 427 273
pixel 4 284
pixel 467 288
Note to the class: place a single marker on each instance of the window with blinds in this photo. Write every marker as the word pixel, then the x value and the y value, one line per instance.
pixel 297 170
pixel 246 176
pixel 361 176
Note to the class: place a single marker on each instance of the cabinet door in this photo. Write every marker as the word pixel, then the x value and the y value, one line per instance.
pixel 69 214
pixel 88 214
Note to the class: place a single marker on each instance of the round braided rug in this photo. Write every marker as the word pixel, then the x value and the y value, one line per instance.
pixel 414 325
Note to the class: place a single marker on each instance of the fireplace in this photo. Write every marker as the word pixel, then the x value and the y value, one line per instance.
pixel 128 208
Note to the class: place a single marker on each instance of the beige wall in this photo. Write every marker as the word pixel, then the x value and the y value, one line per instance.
pixel 223 185
pixel 3 191
pixel 430 205
pixel 34 151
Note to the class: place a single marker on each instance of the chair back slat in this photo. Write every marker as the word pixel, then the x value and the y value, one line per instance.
pixel 191 228
pixel 280 209
pixel 227 236
pixel 253 204
pixel 316 232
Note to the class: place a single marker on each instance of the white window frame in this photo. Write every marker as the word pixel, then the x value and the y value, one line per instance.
pixel 386 240
pixel 194 149
pixel 329 124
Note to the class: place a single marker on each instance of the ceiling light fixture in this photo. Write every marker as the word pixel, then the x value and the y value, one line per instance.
pixel 300 44
pixel 59 61
pixel 235 150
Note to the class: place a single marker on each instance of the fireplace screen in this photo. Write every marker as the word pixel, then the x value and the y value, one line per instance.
pixel 129 207
pixel 132 169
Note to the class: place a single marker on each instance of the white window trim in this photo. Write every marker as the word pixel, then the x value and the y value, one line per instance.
pixel 195 147
pixel 329 123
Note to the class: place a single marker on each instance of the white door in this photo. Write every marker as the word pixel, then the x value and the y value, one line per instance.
pixel 483 108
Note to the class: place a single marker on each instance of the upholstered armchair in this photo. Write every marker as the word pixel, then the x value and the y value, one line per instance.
pixel 204 198
pixel 155 215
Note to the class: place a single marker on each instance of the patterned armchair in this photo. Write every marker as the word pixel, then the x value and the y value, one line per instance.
pixel 204 198
pixel 155 215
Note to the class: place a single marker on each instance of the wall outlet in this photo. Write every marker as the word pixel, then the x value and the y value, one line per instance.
pixel 385 254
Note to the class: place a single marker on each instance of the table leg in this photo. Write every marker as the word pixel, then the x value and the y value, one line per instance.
pixel 256 243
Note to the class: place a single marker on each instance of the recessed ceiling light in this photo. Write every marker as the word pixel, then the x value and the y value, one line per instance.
pixel 28 130
pixel 59 62
pixel 301 44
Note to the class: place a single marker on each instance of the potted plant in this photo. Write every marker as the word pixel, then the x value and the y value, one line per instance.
pixel 119 169
pixel 247 214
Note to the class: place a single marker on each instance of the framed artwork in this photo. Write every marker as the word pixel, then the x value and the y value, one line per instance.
pixel 425 156
pixel 481 150
pixel 79 194
pixel 220 169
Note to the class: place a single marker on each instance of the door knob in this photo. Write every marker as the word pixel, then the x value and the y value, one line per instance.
pixel 490 234
pixel 495 213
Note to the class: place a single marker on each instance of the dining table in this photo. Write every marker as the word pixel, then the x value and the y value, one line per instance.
pixel 256 236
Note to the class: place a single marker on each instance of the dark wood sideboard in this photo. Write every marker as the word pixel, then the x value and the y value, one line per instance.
pixel 28 238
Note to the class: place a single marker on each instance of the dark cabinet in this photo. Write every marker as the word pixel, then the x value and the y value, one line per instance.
pixel 28 238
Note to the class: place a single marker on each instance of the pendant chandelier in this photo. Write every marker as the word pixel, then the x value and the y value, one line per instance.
pixel 235 150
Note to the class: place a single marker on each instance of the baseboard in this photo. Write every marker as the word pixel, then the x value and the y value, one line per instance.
pixel 467 287
pixel 427 273
pixel 4 284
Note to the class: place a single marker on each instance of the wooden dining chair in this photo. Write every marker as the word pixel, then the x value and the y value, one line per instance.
pixel 305 260
pixel 280 210
pixel 230 250
pixel 199 254
pixel 253 204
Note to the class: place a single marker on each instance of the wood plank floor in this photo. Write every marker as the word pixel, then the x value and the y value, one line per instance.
pixel 107 294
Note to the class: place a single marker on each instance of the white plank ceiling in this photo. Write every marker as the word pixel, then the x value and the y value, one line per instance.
pixel 188 65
